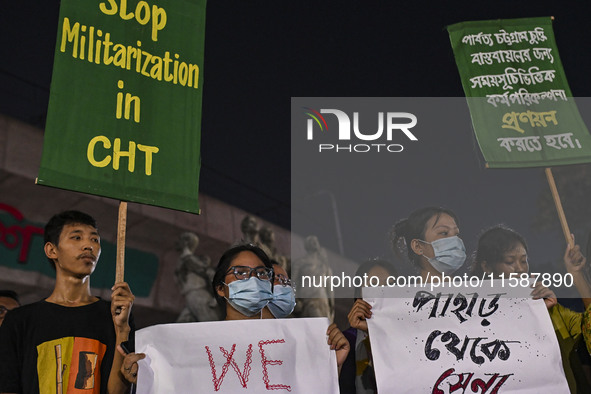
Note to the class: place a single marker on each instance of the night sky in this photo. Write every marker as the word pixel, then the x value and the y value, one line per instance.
pixel 260 54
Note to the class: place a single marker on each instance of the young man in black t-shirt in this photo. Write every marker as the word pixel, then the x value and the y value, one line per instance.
pixel 67 342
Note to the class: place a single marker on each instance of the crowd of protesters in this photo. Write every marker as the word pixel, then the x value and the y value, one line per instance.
pixel 249 285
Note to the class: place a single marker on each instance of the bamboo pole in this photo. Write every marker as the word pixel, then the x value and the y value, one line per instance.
pixel 561 216
pixel 121 226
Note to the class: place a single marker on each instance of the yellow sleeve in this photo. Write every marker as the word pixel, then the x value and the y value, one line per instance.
pixel 586 327
pixel 566 321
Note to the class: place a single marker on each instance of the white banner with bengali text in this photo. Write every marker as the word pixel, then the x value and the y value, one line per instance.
pixel 463 340
pixel 248 356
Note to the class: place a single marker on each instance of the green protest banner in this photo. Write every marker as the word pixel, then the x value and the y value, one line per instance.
pixel 124 117
pixel 522 109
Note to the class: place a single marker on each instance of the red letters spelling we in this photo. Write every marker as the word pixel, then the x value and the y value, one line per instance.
pixel 243 376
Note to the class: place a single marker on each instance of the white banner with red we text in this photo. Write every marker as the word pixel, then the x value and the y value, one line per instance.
pixel 252 356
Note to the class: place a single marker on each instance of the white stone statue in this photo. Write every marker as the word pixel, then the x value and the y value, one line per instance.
pixel 193 276
pixel 250 230
pixel 315 301
pixel 267 243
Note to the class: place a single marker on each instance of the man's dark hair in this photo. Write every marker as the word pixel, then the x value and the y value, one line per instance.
pixel 10 294
pixel 54 227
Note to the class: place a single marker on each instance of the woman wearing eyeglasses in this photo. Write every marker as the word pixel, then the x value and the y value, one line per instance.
pixel 243 282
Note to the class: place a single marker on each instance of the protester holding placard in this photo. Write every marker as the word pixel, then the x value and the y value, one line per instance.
pixel 358 373
pixel 503 251
pixel 243 283
pixel 430 236
pixel 446 333
pixel 67 341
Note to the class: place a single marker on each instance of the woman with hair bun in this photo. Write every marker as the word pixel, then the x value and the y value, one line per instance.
pixel 431 238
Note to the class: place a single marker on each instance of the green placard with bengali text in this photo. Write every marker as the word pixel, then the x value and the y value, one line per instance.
pixel 124 117
pixel 522 109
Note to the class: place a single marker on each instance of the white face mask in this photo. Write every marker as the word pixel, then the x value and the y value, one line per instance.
pixel 283 301
pixel 450 254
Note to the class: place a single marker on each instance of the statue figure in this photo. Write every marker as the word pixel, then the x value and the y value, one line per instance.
pixel 250 230
pixel 193 276
pixel 315 301
pixel 267 238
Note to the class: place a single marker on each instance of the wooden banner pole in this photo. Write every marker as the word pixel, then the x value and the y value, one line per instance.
pixel 561 216
pixel 121 226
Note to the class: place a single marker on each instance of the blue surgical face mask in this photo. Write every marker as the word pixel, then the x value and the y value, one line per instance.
pixel 450 254
pixel 249 296
pixel 283 301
